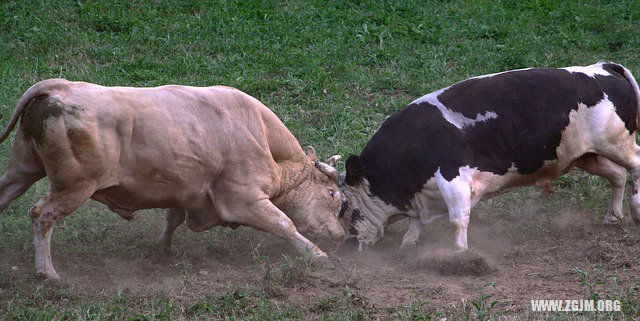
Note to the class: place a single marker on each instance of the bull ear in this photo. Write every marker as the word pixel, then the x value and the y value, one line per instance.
pixel 311 152
pixel 355 171
pixel 333 160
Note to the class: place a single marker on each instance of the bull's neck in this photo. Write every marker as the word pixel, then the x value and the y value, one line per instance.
pixel 378 211
pixel 292 175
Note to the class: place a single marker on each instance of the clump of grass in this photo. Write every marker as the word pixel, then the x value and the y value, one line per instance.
pixel 290 272
pixel 242 304
pixel 348 305
pixel 600 284
pixel 419 311
pixel 484 308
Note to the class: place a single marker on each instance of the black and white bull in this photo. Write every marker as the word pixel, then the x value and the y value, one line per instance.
pixel 439 155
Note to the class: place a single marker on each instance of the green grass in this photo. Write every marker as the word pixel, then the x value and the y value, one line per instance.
pixel 331 70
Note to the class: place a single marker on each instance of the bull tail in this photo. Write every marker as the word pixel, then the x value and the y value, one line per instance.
pixel 627 74
pixel 35 90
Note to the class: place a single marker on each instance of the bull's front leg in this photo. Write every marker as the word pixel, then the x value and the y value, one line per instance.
pixel 265 216
pixel 174 218
pixel 410 238
pixel 457 196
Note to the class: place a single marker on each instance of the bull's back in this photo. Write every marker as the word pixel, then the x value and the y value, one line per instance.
pixel 513 121
pixel 149 147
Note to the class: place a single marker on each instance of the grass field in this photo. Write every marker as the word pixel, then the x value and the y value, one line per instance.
pixel 332 71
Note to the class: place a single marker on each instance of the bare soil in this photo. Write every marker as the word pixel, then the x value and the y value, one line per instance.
pixel 510 258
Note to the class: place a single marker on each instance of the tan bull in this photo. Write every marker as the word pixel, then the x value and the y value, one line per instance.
pixel 212 156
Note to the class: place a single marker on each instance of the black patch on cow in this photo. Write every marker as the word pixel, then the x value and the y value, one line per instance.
pixel 355 217
pixel 403 154
pixel 343 209
pixel 532 108
pixel 38 110
pixel 35 114
pixel 621 95
pixel 354 169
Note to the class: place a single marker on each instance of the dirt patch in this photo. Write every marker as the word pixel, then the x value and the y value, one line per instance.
pixel 455 263
pixel 511 260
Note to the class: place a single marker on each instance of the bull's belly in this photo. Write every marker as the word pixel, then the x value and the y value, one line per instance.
pixel 486 184
pixel 429 205
pixel 118 198
pixel 125 200
pixel 200 216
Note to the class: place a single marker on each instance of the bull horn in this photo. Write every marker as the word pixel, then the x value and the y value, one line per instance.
pixel 311 152
pixel 333 160
pixel 328 170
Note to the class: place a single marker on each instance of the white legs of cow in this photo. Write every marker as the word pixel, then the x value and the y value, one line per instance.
pixel 634 167
pixel 590 163
pixel 410 238
pixel 457 195
pixel 617 177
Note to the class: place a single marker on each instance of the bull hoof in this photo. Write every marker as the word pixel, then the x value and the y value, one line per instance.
pixel 167 250
pixel 408 248
pixel 460 250
pixel 323 262
pixel 612 220
pixel 164 246
pixel 48 276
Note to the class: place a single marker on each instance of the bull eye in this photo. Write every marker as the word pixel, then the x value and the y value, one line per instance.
pixel 331 192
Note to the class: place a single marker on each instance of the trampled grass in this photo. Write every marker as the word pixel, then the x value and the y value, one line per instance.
pixel 331 70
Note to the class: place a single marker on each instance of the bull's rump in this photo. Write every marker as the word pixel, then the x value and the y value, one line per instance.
pixel 532 123
pixel 142 147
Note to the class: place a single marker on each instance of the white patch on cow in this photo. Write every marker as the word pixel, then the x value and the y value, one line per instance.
pixel 457 195
pixel 497 73
pixel 591 70
pixel 455 118
pixel 428 205
pixel 592 129
pixel 374 212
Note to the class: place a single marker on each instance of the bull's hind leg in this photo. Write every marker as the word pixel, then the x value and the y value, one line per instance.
pixel 617 177
pixel 457 196
pixel 24 169
pixel 627 155
pixel 174 218
pixel 51 208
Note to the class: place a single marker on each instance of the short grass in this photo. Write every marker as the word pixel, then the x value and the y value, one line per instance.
pixel 331 70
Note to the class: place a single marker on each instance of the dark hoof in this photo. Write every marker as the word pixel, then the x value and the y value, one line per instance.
pixel 323 262
pixel 408 248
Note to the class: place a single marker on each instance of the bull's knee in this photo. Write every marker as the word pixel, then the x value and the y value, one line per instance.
pixel 36 209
